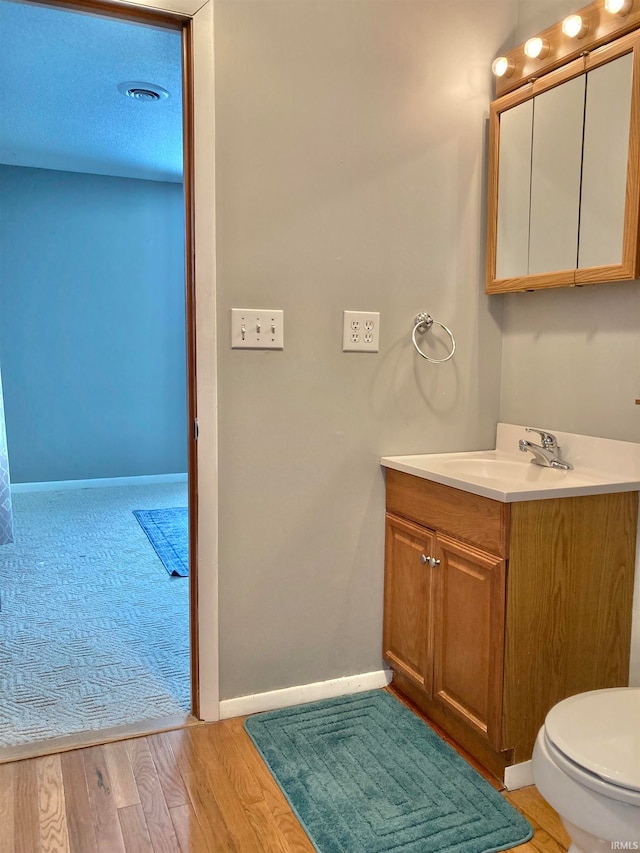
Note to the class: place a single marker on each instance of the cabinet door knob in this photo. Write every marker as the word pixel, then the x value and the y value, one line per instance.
pixel 429 561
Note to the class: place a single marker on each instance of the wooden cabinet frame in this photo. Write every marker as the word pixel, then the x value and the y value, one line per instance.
pixel 629 268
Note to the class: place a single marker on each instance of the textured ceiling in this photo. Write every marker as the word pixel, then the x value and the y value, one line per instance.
pixel 60 107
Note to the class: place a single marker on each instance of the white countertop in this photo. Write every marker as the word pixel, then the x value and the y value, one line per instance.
pixel 600 466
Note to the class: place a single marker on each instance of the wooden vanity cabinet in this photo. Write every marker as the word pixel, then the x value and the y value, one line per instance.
pixel 469 635
pixel 495 612
pixel 408 595
pixel 444 624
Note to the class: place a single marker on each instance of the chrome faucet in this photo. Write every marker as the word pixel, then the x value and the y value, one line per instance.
pixel 547 453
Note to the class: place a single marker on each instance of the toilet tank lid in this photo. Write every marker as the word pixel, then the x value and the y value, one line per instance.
pixel 600 731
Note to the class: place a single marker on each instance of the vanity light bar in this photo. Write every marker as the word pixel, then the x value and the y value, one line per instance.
pixel 618 7
pixel 575 26
pixel 596 24
pixel 503 67
pixel 536 48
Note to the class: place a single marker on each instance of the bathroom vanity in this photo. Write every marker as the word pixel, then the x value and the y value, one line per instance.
pixel 496 608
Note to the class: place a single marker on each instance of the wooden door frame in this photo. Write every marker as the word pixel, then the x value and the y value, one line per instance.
pixel 195 19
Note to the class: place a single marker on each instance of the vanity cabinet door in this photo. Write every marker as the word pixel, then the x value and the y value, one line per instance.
pixel 469 611
pixel 407 600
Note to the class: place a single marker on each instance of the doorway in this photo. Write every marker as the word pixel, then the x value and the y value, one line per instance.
pixel 127 442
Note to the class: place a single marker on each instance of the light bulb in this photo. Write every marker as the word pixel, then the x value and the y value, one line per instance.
pixel 502 66
pixel 574 26
pixel 618 7
pixel 536 48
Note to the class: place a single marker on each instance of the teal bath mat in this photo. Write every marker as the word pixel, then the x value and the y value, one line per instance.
pixel 366 775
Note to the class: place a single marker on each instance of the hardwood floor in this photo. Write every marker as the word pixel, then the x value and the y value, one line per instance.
pixel 549 834
pixel 194 790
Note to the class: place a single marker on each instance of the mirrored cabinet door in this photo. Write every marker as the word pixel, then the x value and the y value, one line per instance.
pixel 555 177
pixel 564 175
pixel 516 128
pixel 604 163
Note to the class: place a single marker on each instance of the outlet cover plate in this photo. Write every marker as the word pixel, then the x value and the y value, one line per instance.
pixel 361 331
pixel 257 328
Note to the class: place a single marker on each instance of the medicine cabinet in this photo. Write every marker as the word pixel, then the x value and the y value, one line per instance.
pixel 564 185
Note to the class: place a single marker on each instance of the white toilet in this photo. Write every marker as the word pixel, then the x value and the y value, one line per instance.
pixel 586 764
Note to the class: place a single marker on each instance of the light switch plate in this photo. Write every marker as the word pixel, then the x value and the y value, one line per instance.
pixel 361 331
pixel 257 328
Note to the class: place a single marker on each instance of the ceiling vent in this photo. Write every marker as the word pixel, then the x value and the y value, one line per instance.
pixel 143 91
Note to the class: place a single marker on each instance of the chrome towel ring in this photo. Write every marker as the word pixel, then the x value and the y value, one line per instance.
pixel 422 324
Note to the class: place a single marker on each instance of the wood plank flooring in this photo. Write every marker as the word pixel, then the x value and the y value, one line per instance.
pixel 195 790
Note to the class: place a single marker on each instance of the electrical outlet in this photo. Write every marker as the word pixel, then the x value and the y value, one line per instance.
pixel 254 328
pixel 361 331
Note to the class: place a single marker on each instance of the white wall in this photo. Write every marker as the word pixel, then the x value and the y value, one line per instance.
pixel 350 160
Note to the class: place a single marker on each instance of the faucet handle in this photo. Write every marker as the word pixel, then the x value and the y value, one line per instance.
pixel 548 438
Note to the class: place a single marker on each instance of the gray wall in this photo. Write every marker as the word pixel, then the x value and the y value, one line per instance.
pixel 92 340
pixel 571 357
pixel 571 360
pixel 537 15
pixel 350 165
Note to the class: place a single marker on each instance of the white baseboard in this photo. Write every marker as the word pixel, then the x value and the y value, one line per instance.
pixel 518 776
pixel 100 483
pixel 274 699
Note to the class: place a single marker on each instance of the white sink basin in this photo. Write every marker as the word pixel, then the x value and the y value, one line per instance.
pixel 492 468
pixel 507 475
